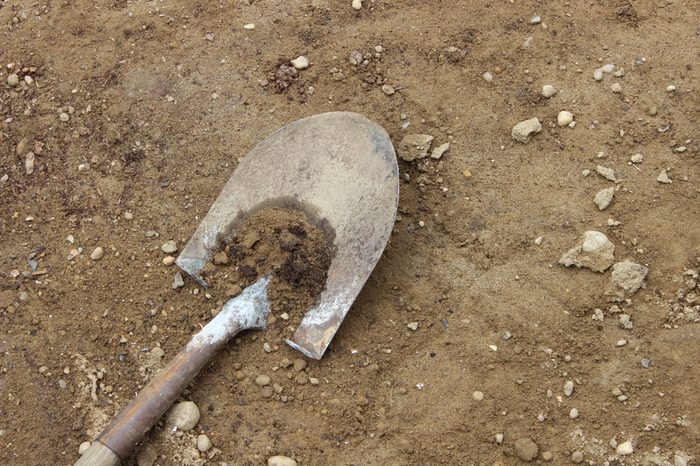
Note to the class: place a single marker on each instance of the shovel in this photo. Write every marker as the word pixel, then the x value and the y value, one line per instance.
pixel 340 169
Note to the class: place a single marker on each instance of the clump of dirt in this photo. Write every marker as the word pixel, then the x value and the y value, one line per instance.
pixel 282 242
pixel 282 76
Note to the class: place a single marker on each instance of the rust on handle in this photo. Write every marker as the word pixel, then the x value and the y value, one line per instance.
pixel 248 310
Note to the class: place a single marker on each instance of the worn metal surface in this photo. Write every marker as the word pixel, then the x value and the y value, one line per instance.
pixel 341 169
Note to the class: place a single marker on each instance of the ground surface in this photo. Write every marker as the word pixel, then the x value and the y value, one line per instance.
pixel 163 98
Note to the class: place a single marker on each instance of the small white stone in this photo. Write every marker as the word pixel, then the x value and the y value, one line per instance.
pixel 97 253
pixel 670 88
pixel 523 130
pixel 301 62
pixel 620 343
pixel 203 443
pixel 625 448
pixel 83 447
pixel 564 118
pixel 63 116
pixel 439 151
pixel 388 89
pixel 598 74
pixel 548 90
pixel 169 247
pixel 478 396
pixel 13 80
pixel 604 197
pixel 488 77
pixel 168 260
pixel 499 438
pixel 280 460
pixel 536 20
pixel 538 240
pixel 573 414
pixel 357 4
pixel 609 68
pixel 637 158
pixel 183 416
pixel 249 26
pixel 569 388
pixel 83 167
pixel 663 177
pixel 605 172
pixel 29 163
pixel 616 88
pixel 413 326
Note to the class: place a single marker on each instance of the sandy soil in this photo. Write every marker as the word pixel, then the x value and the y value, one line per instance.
pixel 163 98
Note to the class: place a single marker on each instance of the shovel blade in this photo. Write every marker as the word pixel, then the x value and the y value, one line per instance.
pixel 341 169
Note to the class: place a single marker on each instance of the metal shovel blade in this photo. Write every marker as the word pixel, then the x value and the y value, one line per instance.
pixel 340 168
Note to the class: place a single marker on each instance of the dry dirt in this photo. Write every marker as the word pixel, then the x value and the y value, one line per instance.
pixel 163 98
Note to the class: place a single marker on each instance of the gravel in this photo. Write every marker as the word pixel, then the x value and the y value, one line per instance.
pixel 97 253
pixel 356 5
pixel 605 172
pixel 625 448
pixel 169 247
pixel 548 90
pixel 573 414
pixel 203 443
pixel 663 177
pixel 616 88
pixel 263 380
pixel 478 396
pixel 604 197
pixel 439 151
pixel 593 250
pixel 280 460
pixel 569 388
pixel 301 62
pixel 637 158
pixel 565 118
pixel 183 416
pixel 83 447
pixel 488 77
pixel 526 449
pixel 522 132
pixel 13 80
pixel 414 146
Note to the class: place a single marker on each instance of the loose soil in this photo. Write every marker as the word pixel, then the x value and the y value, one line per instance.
pixel 162 99
pixel 285 244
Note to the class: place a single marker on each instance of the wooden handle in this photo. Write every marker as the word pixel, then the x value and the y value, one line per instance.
pixel 246 311
pixel 153 401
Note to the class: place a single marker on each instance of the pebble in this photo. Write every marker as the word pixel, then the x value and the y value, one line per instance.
pixel 249 26
pixel 414 146
pixel 356 5
pixel 526 449
pixel 413 326
pixel 522 131
pixel 680 460
pixel 604 197
pixel 538 240
pixel 536 20
pixel 478 396
pixel 29 163
pixel 564 118
pixel 620 343
pixel 301 62
pixel 593 250
pixel 573 414
pixel 299 364
pixel 280 460
pixel 203 443
pixel 608 68
pixel 548 90
pixel 83 447
pixel 598 74
pixel 637 158
pixel 184 415
pixel 569 387
pixel 97 253
pixel 168 260
pixel 356 58
pixel 607 173
pixel 388 89
pixel 670 88
pixel 63 116
pixel 663 177
pixel 13 80
pixel 626 279
pixel 625 448
pixel 313 381
pixel 616 88
pixel 488 77
pixel 169 247
pixel 29 80
pixel 439 151
pixel 577 457
pixel 178 282
pixel 158 352
pixel 263 380
pixel 547 455
pixel 499 438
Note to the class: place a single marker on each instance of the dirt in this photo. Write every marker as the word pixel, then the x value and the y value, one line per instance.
pixel 157 102
pixel 285 244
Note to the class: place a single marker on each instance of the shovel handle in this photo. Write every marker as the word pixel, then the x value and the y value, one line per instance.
pixel 127 429
pixel 248 310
